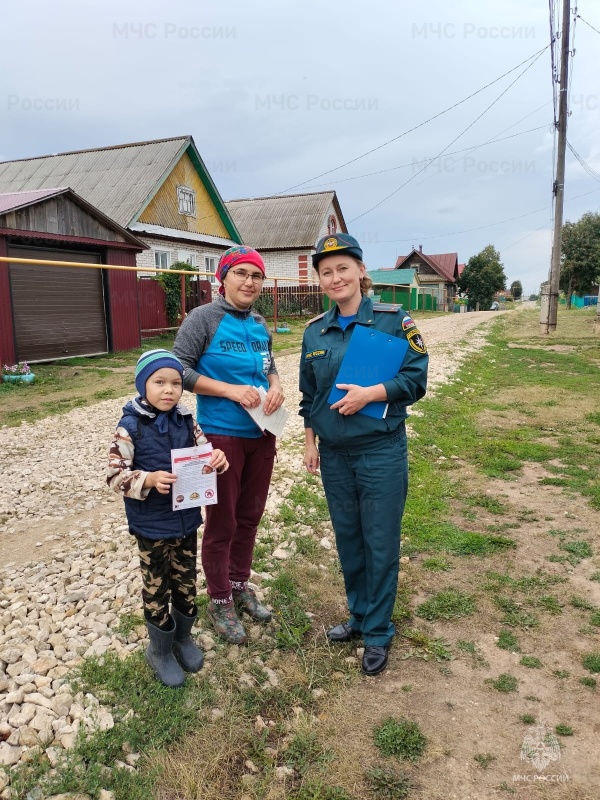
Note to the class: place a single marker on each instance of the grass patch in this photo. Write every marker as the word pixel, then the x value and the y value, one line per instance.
pixel 532 662
pixel 578 550
pixel 591 683
pixel 436 564
pixel 508 641
pixel 527 719
pixel 288 607
pixel 484 759
pixel 515 615
pixel 563 730
pixel 591 662
pixel 386 784
pixel 447 604
pixel 504 683
pixel 128 622
pixel 425 647
pixel 402 739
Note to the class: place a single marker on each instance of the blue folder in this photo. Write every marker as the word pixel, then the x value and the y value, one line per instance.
pixel 372 357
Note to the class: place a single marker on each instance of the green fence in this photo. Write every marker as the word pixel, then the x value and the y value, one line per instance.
pixel 409 302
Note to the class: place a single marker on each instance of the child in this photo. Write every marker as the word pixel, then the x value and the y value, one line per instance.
pixel 140 469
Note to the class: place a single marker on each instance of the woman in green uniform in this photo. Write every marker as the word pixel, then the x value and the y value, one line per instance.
pixel 363 458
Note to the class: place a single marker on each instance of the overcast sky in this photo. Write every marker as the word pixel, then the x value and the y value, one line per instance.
pixel 277 93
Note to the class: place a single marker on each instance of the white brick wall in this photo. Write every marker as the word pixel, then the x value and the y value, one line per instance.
pixel 284 264
pixel 145 259
pixel 279 263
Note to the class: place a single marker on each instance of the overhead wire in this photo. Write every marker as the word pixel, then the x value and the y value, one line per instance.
pixel 493 103
pixel 587 23
pixel 590 170
pixel 535 56
pixel 422 161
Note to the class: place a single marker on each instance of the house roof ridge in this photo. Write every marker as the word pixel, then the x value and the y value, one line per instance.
pixel 279 196
pixel 99 149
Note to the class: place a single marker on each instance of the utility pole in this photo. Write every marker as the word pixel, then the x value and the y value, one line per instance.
pixel 549 310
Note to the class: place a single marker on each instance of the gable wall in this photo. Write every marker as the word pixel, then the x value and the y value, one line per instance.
pixel 163 209
pixel 59 215
pixel 330 212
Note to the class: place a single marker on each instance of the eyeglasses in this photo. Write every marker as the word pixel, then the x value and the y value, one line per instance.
pixel 242 276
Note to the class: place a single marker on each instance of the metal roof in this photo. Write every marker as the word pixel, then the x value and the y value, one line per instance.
pixel 391 277
pixel 14 201
pixel 282 222
pixel 117 180
pixel 10 201
pixel 445 264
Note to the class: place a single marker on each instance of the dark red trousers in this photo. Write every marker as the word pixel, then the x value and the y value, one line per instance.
pixel 230 527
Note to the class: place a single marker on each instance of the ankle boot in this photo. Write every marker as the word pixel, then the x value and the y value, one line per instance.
pixel 226 623
pixel 159 654
pixel 189 656
pixel 247 601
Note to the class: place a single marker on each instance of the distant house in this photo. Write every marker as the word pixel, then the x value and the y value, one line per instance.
pixel 399 286
pixel 159 190
pixel 286 228
pixel 49 312
pixel 438 273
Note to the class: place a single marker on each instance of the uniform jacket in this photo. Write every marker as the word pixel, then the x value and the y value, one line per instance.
pixel 323 349
pixel 139 446
pixel 221 342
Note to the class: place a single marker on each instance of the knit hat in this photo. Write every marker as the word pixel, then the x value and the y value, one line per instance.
pixel 238 255
pixel 338 243
pixel 148 363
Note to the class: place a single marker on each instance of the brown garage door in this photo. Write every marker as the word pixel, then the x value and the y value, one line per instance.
pixel 58 311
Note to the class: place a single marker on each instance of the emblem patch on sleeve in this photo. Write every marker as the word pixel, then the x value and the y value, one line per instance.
pixel 408 323
pixel 415 340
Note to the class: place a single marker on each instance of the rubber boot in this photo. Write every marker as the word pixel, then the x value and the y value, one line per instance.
pixel 159 654
pixel 189 656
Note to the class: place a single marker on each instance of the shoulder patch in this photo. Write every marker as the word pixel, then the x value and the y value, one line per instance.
pixel 314 319
pixel 415 340
pixel 408 323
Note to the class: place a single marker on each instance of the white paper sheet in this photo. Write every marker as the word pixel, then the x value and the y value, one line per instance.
pixel 274 422
pixel 196 483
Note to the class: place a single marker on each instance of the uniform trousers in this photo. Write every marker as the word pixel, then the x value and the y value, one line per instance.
pixel 366 494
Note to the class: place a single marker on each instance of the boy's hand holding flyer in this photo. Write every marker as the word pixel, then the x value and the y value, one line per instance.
pixel 196 483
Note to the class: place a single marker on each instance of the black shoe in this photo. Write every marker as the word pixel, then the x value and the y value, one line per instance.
pixel 342 633
pixel 375 659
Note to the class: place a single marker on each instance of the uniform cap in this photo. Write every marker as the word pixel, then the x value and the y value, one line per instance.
pixel 336 243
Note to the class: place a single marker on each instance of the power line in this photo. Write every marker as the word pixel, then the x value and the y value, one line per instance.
pixel 385 199
pixel 590 170
pixel 426 237
pixel 416 127
pixel 586 22
pixel 422 161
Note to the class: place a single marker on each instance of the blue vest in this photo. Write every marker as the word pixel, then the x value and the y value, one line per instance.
pixel 154 518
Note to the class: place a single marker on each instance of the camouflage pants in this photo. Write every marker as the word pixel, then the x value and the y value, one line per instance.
pixel 168 572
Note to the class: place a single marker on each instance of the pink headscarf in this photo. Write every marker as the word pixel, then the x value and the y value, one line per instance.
pixel 237 255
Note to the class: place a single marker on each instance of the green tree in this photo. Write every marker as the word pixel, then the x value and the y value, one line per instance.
pixel 482 277
pixel 580 256
pixel 516 289
pixel 171 283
